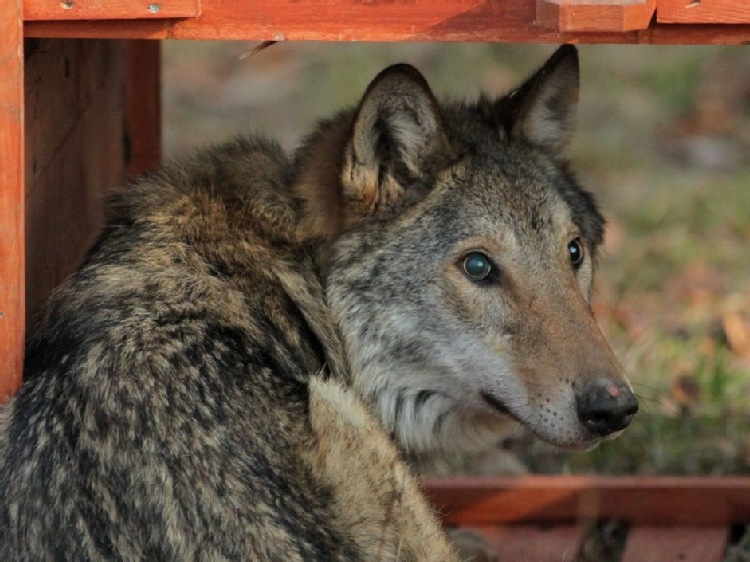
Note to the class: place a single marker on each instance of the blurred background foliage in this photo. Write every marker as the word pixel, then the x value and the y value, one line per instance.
pixel 663 141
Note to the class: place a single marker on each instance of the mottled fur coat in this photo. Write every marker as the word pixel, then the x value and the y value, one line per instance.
pixel 230 373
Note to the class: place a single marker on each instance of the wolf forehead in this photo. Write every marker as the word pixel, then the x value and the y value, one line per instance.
pixel 503 179
pixel 521 185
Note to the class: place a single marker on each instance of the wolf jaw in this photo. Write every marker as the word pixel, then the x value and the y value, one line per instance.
pixel 403 177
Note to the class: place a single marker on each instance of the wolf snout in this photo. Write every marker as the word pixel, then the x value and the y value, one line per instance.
pixel 605 406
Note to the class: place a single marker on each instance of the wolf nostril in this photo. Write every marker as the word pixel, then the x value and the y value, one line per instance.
pixel 596 417
pixel 604 411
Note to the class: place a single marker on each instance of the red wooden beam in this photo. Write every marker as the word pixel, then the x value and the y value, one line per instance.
pixel 11 198
pixel 565 499
pixel 595 15
pixel 532 543
pixel 108 9
pixel 706 11
pixel 354 20
pixel 680 544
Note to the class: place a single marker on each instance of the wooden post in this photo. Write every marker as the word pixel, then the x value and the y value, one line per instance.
pixel 595 15
pixel 75 105
pixel 11 198
pixel 61 148
pixel 143 106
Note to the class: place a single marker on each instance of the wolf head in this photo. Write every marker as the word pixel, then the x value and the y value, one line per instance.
pixel 459 255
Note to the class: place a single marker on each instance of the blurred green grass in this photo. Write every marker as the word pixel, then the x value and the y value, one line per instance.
pixel 663 141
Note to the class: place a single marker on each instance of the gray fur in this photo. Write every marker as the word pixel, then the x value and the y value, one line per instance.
pixel 175 403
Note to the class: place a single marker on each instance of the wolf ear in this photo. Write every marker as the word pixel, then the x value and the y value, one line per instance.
pixel 542 110
pixel 397 139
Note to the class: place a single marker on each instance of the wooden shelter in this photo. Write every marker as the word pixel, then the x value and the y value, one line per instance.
pixel 80 111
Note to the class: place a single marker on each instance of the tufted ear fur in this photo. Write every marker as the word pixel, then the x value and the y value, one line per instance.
pixel 542 110
pixel 397 140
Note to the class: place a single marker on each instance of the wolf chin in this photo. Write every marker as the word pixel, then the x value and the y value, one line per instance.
pixel 258 346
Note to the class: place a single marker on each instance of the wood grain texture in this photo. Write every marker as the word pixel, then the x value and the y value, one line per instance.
pixel 75 153
pixel 143 107
pixel 355 20
pixel 556 499
pixel 705 11
pixel 679 544
pixel 34 10
pixel 595 15
pixel 11 198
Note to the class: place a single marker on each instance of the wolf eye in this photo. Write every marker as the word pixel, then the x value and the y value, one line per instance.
pixel 477 266
pixel 575 251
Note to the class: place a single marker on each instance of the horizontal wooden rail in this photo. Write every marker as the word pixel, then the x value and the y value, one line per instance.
pixel 595 15
pixel 676 544
pixel 108 9
pixel 560 499
pixel 708 11
pixel 354 20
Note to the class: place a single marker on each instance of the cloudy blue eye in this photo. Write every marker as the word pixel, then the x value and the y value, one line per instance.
pixel 477 266
pixel 575 251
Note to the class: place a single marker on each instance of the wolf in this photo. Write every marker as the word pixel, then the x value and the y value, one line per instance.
pixel 259 347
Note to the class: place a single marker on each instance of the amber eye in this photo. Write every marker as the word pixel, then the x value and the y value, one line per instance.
pixel 575 251
pixel 477 266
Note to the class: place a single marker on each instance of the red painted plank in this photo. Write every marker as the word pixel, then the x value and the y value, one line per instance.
pixel 535 544
pixel 11 198
pixel 355 20
pixel 108 9
pixel 706 11
pixel 680 544
pixel 595 15
pixel 640 500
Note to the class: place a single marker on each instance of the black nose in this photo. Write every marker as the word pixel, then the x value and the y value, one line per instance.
pixel 605 407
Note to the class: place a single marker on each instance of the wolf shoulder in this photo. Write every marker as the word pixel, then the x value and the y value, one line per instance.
pixel 154 366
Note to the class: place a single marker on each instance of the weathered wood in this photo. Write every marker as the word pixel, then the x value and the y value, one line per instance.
pixel 354 20
pixel 534 543
pixel 555 499
pixel 11 198
pixel 74 130
pixel 680 544
pixel 143 107
pixel 595 15
pixel 108 9
pixel 706 11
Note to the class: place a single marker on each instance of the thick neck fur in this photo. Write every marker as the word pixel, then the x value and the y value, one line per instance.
pixel 425 346
pixel 422 421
